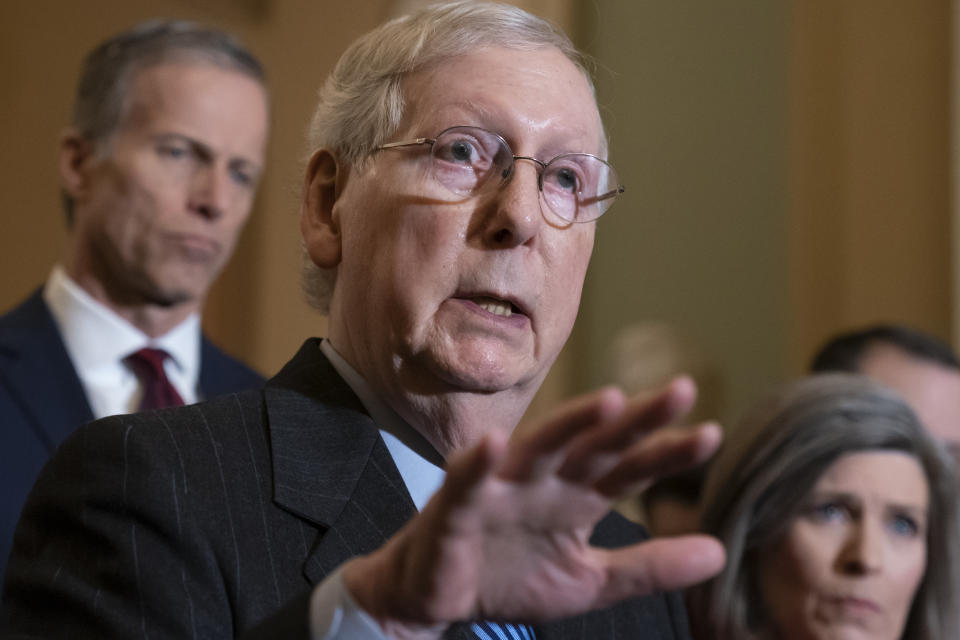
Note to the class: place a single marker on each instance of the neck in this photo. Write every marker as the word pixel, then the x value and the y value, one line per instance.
pixel 152 319
pixel 452 421
pixel 448 417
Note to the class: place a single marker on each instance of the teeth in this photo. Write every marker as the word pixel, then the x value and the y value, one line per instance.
pixel 496 307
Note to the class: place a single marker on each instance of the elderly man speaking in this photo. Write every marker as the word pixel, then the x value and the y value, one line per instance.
pixel 448 215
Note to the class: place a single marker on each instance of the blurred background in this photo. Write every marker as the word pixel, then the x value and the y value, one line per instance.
pixel 789 168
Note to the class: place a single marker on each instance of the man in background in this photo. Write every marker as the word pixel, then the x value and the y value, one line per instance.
pixel 158 172
pixel 923 369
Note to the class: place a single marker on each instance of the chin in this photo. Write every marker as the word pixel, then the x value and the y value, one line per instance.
pixel 472 366
pixel 170 296
pixel 484 375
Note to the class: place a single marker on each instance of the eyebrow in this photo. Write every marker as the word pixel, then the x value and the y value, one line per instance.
pixel 846 496
pixel 492 120
pixel 205 151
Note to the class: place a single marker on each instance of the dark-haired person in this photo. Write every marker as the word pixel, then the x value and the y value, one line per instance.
pixel 158 171
pixel 372 488
pixel 920 367
pixel 839 515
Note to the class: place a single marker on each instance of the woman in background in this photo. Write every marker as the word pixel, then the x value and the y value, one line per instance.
pixel 839 517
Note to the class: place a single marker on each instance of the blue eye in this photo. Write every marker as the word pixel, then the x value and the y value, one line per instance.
pixel 829 512
pixel 567 175
pixel 904 526
pixel 241 177
pixel 172 151
pixel 567 180
pixel 461 151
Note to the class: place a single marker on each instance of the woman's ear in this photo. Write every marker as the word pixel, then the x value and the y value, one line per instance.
pixel 319 223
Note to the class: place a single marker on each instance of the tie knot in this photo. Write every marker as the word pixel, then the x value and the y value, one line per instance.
pixel 147 360
pixel 147 364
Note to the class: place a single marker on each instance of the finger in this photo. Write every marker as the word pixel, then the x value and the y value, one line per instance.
pixel 666 453
pixel 596 452
pixel 428 552
pixel 662 564
pixel 530 454
pixel 467 469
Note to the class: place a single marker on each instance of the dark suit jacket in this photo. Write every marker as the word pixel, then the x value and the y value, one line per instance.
pixel 42 400
pixel 215 520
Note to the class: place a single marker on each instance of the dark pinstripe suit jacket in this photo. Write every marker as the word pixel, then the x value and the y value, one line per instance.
pixel 214 520
pixel 42 400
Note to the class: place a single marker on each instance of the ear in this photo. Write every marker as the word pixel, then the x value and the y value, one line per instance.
pixel 76 158
pixel 319 221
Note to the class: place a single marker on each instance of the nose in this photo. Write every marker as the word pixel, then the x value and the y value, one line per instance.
pixel 863 551
pixel 210 191
pixel 516 217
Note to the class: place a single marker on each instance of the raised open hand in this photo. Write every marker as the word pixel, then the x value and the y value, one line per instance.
pixel 507 536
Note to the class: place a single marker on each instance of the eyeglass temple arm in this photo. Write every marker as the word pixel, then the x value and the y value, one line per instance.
pixel 406 143
pixel 604 196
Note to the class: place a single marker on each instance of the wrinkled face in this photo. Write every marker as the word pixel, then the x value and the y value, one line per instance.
pixel 851 561
pixel 931 390
pixel 159 209
pixel 466 293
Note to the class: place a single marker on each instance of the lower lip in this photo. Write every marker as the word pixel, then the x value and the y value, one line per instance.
pixel 515 320
pixel 855 607
pixel 196 247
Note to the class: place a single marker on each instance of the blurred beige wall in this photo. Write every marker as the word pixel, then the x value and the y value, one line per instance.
pixel 788 176
pixel 786 163
pixel 694 95
pixel 869 172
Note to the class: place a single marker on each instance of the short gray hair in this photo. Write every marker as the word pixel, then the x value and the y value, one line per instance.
pixel 362 103
pixel 772 461
pixel 102 96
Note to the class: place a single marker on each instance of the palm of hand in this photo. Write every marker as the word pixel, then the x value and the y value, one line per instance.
pixel 507 536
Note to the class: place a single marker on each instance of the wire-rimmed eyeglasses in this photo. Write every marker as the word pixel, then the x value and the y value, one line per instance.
pixel 578 187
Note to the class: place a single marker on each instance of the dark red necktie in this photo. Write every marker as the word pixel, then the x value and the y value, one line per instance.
pixel 147 364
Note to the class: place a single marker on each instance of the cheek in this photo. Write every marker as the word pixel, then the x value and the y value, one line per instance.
pixel 791 571
pixel 424 269
pixel 577 248
pixel 135 206
pixel 232 225
pixel 405 261
pixel 127 216
pixel 567 268
pixel 909 571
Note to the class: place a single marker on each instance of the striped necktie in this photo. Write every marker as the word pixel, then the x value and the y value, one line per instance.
pixel 502 631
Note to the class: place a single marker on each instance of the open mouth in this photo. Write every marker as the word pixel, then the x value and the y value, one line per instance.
pixel 496 306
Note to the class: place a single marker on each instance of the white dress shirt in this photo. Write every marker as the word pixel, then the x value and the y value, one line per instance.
pixel 97 341
pixel 334 615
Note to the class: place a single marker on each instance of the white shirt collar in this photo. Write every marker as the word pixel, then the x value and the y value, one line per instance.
pixel 420 466
pixel 97 341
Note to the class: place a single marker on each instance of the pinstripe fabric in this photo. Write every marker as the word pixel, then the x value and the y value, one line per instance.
pixel 214 520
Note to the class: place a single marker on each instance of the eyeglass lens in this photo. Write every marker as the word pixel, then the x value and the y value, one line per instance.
pixel 577 187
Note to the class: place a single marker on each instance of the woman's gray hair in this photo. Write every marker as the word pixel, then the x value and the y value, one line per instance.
pixel 362 103
pixel 771 462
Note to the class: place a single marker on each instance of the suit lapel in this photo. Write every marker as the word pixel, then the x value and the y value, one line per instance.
pixel 330 465
pixel 35 366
